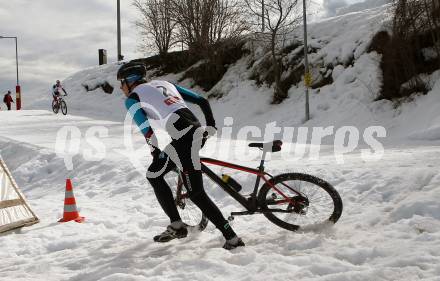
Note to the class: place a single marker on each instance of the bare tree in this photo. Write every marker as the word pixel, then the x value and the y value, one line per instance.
pixel 204 23
pixel 156 25
pixel 280 19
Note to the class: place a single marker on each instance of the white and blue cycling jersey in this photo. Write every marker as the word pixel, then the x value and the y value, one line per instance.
pixel 155 101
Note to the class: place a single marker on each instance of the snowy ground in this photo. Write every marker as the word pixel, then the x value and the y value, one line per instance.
pixel 389 230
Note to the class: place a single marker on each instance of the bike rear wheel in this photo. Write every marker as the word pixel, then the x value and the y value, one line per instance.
pixel 55 106
pixel 63 106
pixel 189 212
pixel 299 201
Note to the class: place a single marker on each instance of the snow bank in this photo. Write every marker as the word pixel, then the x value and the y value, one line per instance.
pixel 361 6
pixel 95 103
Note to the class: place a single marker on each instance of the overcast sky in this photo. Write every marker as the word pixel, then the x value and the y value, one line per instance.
pixel 56 38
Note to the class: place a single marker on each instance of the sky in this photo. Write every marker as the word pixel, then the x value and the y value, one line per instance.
pixel 57 38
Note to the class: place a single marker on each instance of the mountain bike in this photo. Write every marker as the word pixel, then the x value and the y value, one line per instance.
pixel 59 103
pixel 292 201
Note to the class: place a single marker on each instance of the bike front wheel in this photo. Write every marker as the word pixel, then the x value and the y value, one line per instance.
pixel 190 214
pixel 55 106
pixel 63 106
pixel 299 201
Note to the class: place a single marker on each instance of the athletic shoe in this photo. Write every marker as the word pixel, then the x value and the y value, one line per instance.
pixel 233 243
pixel 170 234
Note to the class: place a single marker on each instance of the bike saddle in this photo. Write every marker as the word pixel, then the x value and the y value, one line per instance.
pixel 273 146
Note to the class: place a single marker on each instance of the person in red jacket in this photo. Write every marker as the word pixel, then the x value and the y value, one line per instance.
pixel 7 99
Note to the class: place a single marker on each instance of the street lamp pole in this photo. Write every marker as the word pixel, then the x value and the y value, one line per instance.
pixel 119 29
pixel 262 16
pixel 17 88
pixel 16 58
pixel 307 76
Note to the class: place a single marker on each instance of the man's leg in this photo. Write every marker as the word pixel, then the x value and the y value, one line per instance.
pixel 177 229
pixel 161 188
pixel 193 181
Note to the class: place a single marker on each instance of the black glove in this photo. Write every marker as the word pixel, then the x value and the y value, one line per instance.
pixel 155 152
pixel 210 131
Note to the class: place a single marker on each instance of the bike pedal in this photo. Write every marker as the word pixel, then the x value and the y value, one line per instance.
pixel 230 218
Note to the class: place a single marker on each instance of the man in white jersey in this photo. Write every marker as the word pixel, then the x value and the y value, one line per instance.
pixel 164 104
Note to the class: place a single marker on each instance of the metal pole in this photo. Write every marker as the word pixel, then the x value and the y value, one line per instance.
pixel 16 58
pixel 17 88
pixel 262 15
pixel 306 63
pixel 119 30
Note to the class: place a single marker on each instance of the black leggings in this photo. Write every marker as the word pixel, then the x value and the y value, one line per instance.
pixel 192 179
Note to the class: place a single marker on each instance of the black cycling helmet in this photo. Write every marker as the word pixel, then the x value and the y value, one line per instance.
pixel 131 72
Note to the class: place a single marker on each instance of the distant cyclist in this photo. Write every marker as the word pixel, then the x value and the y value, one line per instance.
pixel 150 102
pixel 56 90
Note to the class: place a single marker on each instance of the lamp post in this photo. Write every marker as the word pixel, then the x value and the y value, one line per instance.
pixel 17 87
pixel 262 16
pixel 307 76
pixel 119 29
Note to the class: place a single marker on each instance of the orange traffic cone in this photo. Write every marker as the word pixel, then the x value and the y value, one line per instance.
pixel 70 211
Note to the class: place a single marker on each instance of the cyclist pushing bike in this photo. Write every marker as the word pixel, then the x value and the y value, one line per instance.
pixel 164 104
pixel 56 90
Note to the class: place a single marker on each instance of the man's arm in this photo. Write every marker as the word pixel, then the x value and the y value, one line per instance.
pixel 192 97
pixel 137 113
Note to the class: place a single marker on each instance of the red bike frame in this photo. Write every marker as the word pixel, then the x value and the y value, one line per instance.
pixel 251 203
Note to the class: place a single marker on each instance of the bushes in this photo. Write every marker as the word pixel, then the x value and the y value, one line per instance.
pixel 211 71
pixel 207 73
pixel 172 62
pixel 416 26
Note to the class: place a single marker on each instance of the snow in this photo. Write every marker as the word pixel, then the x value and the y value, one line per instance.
pixel 390 225
pixel 361 6
pixel 389 230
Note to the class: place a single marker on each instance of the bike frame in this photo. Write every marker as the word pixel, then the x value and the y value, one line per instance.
pixel 251 203
pixel 58 99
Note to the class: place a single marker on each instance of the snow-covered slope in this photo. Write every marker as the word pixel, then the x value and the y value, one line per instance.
pixel 94 103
